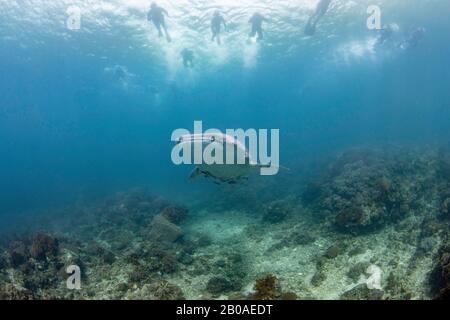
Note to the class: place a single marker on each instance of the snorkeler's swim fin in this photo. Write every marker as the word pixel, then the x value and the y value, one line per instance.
pixel 310 28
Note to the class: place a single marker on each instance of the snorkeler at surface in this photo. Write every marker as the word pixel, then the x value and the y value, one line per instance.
pixel 321 9
pixel 413 39
pixel 188 58
pixel 216 24
pixel 256 20
pixel 156 14
pixel 119 73
pixel 385 34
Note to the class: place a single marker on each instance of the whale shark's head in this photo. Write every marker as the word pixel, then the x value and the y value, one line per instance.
pixel 226 141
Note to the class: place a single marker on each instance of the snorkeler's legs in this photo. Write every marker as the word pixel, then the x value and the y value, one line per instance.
pixel 253 32
pixel 319 15
pixel 188 63
pixel 315 18
pixel 310 27
pixel 216 34
pixel 169 39
pixel 158 27
pixel 260 34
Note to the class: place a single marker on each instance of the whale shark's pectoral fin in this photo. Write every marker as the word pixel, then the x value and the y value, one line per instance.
pixel 195 173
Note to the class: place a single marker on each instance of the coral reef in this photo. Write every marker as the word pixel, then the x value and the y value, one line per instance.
pixel 350 218
pixel 129 242
pixel 382 207
pixel 312 192
pixel 365 189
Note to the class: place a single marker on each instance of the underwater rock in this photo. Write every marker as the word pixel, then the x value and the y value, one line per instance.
pixel 440 276
pixel 445 207
pixel 3 262
pixel 174 214
pixel 276 212
pixel 334 251
pixel 288 296
pixel 431 227
pixel 218 285
pixel 297 238
pixel 162 230
pixel 221 263
pixel 357 250
pixel 194 241
pixel 427 245
pixel 302 238
pixel 396 286
pixel 108 257
pixel 444 167
pixel 318 278
pixel 357 270
pixel 362 292
pixel 122 287
pixel 18 253
pixel 185 258
pixel 44 247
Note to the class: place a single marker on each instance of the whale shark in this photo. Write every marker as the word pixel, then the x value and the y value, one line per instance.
pixel 222 172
